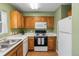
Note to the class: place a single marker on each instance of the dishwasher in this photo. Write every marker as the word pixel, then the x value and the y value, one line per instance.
pixel 25 47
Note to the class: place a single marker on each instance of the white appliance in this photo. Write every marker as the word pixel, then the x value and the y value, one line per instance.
pixel 25 47
pixel 41 25
pixel 64 31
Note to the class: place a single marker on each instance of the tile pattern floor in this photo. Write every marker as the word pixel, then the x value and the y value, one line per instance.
pixel 49 53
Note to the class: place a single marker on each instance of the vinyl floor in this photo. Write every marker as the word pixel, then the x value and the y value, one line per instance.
pixel 48 53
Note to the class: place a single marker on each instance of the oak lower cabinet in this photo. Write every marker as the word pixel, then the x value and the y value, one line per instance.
pixel 20 50
pixel 31 43
pixel 52 43
pixel 17 51
pixel 12 53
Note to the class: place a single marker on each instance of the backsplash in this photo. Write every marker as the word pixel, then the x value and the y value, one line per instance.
pixel 4 35
pixel 30 30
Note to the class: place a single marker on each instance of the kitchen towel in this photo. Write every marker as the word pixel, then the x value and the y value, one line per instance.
pixel 42 41
pixel 39 41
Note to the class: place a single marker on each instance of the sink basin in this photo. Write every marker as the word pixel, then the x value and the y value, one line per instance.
pixel 9 42
pixel 4 47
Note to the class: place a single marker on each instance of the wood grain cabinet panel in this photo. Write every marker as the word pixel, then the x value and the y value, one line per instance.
pixel 19 20
pixel 22 24
pixel 40 19
pixel 20 50
pixel 12 53
pixel 13 23
pixel 43 18
pixel 31 43
pixel 69 13
pixel 50 21
pixel 29 22
pixel 16 19
pixel 17 51
pixel 37 18
pixel 52 43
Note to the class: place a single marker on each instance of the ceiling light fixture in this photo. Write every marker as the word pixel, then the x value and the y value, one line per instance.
pixel 34 5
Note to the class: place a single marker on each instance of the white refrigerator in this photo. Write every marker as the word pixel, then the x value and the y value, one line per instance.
pixel 64 36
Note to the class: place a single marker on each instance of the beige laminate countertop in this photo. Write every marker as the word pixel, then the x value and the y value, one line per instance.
pixel 47 34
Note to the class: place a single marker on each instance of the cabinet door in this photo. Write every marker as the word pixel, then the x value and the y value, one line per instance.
pixel 20 49
pixel 22 25
pixel 50 21
pixel 12 53
pixel 40 18
pixel 16 20
pixel 69 13
pixel 31 43
pixel 43 18
pixel 51 43
pixel 13 20
pixel 19 23
pixel 37 18
pixel 17 51
pixel 29 22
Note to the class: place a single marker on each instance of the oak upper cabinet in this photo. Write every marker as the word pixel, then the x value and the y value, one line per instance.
pixel 69 13
pixel 43 18
pixel 52 43
pixel 40 19
pixel 37 18
pixel 22 22
pixel 50 21
pixel 31 43
pixel 29 22
pixel 16 19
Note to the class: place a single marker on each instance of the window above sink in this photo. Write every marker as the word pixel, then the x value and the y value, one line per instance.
pixel 3 22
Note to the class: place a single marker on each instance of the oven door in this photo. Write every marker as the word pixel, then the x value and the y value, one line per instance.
pixel 40 41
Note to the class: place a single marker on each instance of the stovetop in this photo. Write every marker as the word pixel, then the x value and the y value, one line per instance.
pixel 40 34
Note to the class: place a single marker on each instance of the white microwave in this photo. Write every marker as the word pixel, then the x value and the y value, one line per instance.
pixel 41 25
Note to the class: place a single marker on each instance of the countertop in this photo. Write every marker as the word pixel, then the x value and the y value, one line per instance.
pixel 22 37
pixel 2 53
pixel 47 34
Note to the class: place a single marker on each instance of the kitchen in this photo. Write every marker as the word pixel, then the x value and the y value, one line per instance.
pixel 32 32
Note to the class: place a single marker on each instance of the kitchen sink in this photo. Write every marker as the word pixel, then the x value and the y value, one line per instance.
pixel 7 43
pixel 4 47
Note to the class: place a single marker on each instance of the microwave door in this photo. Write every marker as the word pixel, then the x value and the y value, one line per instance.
pixel 41 25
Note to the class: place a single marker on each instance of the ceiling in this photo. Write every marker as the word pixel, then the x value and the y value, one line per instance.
pixel 43 7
